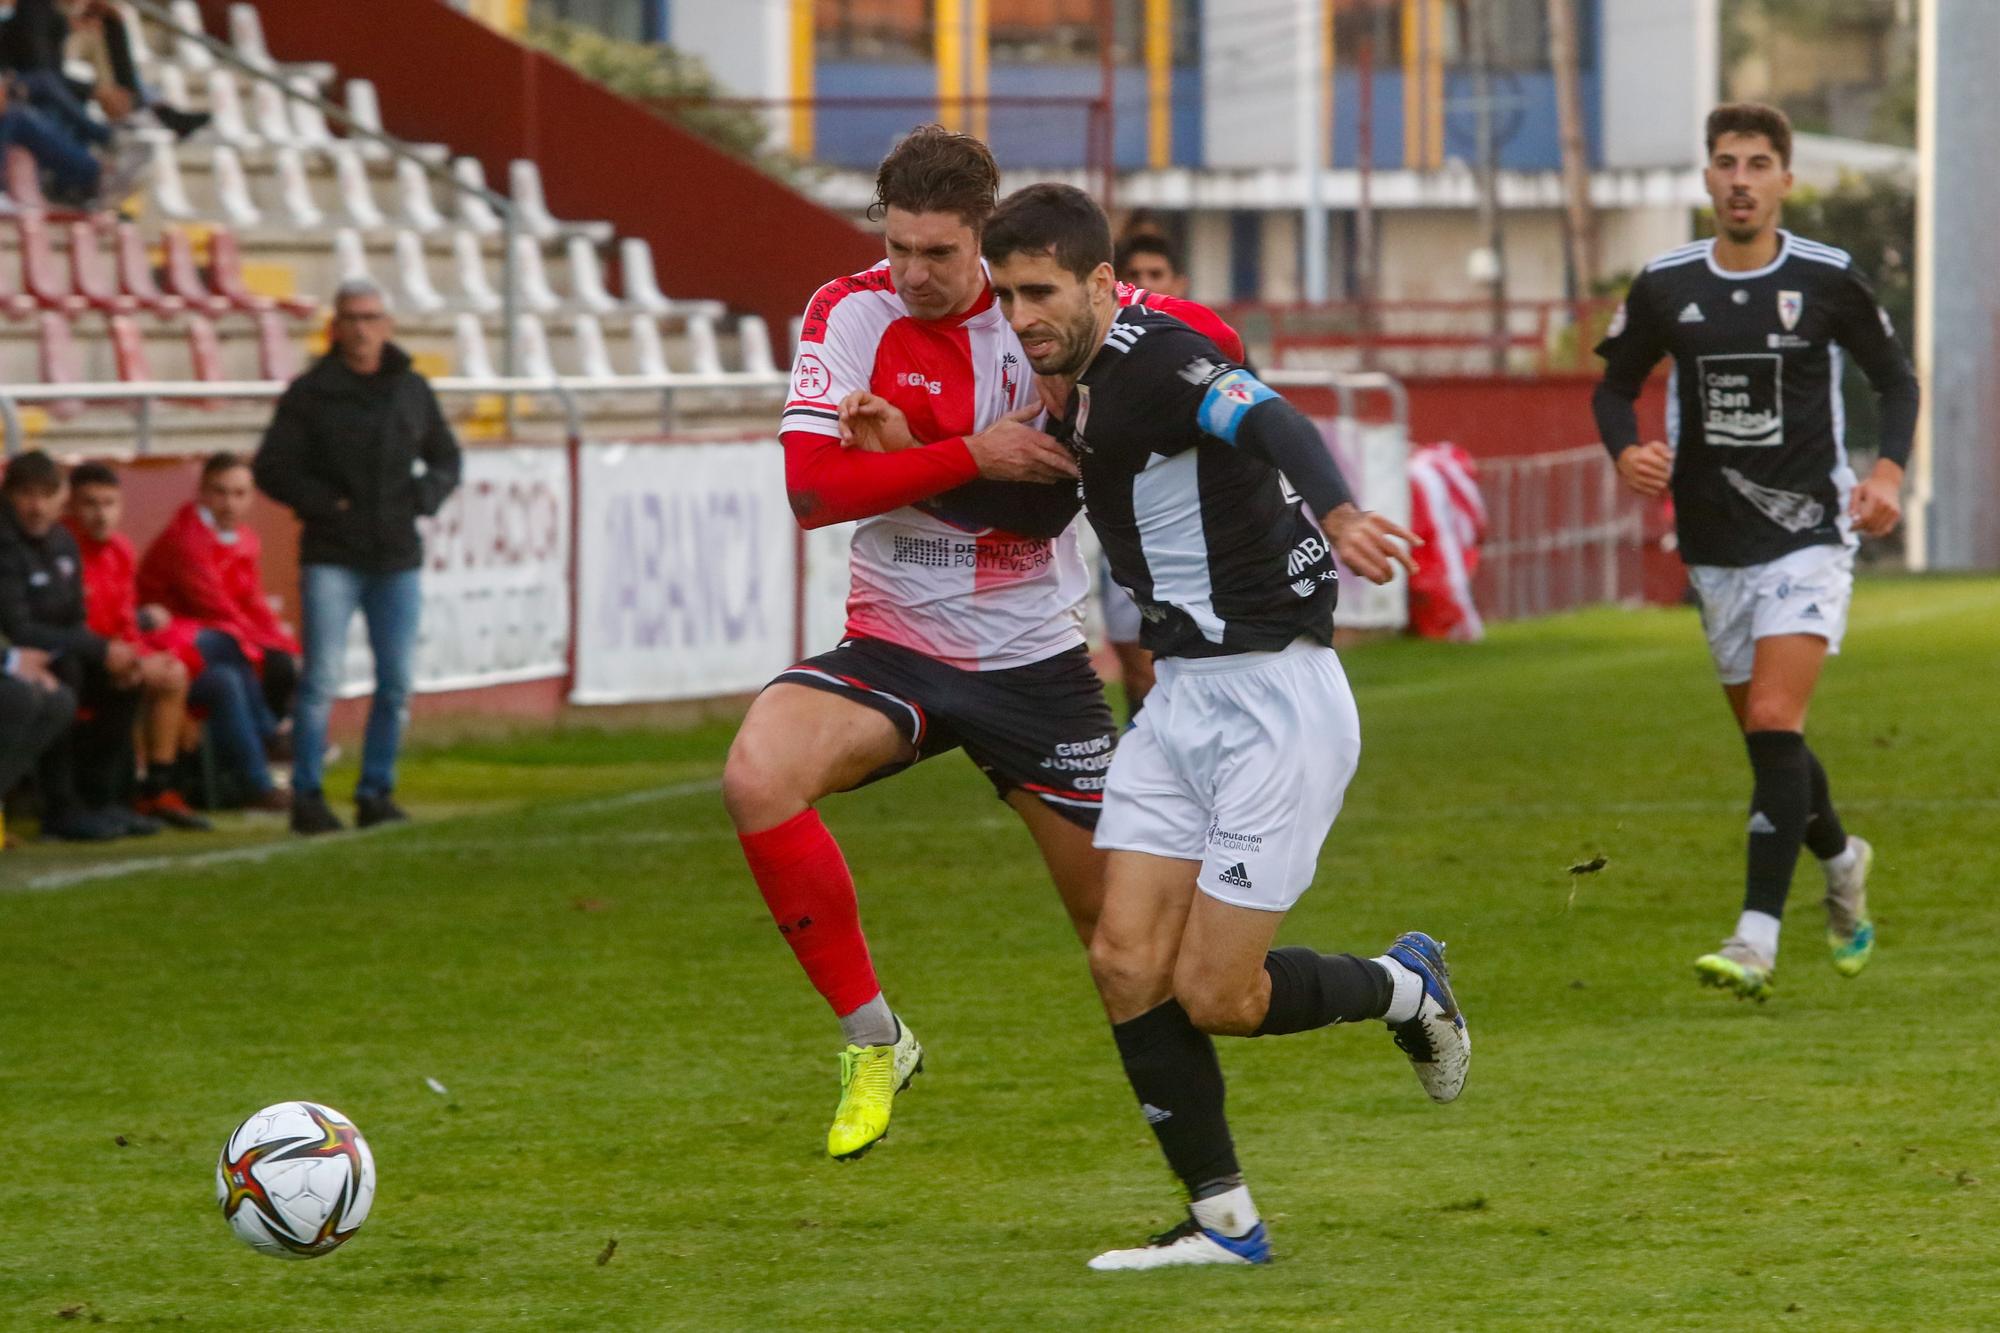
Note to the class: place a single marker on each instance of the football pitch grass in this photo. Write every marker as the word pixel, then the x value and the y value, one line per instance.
pixel 568 944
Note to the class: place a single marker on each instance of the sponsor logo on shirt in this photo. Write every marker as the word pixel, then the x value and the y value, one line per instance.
pixel 1023 556
pixel 916 379
pixel 1742 399
pixel 1305 555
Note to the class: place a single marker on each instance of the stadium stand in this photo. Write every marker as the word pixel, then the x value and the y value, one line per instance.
pixel 217 268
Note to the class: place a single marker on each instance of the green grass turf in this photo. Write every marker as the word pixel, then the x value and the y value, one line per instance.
pixel 630 1051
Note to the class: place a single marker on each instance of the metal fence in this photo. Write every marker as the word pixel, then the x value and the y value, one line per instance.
pixel 1561 534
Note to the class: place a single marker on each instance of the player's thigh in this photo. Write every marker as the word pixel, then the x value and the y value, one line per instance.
pixel 1075 865
pixel 1783 675
pixel 1219 976
pixel 1132 953
pixel 799 744
pixel 1289 742
pixel 1041 730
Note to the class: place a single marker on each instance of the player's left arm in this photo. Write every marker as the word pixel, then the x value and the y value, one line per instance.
pixel 1240 410
pixel 1862 327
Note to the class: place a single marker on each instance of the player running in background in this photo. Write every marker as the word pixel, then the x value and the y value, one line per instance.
pixel 1220 797
pixel 1765 504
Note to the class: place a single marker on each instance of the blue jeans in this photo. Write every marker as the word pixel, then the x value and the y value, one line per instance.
pixel 239 721
pixel 54 95
pixel 72 170
pixel 391 604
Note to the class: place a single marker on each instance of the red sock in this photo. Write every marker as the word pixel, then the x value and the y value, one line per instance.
pixel 803 877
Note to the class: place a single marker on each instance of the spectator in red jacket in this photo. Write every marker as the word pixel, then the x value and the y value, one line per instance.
pixel 167 660
pixel 204 570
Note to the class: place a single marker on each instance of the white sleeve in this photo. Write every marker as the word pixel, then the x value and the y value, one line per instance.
pixel 836 356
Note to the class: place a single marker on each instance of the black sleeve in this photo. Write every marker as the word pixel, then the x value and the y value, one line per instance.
pixel 1863 328
pixel 1040 509
pixel 280 465
pixel 1282 436
pixel 17 621
pixel 439 450
pixel 1632 346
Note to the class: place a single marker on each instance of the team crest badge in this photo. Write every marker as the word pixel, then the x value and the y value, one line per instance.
pixel 1790 306
pixel 1082 416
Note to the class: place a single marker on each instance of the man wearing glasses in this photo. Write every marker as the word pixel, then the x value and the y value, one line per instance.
pixel 359 450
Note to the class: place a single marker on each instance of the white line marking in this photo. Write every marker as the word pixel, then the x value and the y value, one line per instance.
pixel 54 880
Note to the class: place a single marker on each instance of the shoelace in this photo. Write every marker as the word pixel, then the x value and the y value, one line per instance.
pixel 1412 1040
pixel 1187 1227
pixel 866 1074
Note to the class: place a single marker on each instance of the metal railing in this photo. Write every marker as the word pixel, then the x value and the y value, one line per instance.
pixel 568 391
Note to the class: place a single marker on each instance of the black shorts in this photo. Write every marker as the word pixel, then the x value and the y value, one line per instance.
pixel 1043 728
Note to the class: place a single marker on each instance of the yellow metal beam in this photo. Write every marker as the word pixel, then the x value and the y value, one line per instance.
pixel 1159 83
pixel 980 62
pixel 804 127
pixel 948 22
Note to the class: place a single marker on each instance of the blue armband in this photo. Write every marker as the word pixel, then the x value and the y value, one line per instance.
pixel 1228 400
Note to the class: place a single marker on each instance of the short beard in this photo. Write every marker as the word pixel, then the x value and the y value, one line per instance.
pixel 1076 347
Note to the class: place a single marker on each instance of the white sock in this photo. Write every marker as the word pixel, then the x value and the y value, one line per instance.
pixel 873 1024
pixel 1760 931
pixel 1841 864
pixel 1229 1213
pixel 1408 993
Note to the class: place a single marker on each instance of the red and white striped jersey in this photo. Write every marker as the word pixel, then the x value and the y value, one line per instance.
pixel 980 598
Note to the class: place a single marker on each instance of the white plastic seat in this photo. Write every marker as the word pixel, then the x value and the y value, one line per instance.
pixel 295 190
pixel 350 257
pixel 524 188
pixel 592 356
pixel 232 189
pixel 246 34
pixel 225 109
pixel 536 294
pixel 413 275
pixel 531 349
pixel 474 290
pixel 309 127
pixel 702 347
pixel 642 288
pixel 475 361
pixel 753 337
pixel 364 108
pixel 143 56
pixel 169 189
pixel 357 199
pixel 416 208
pixel 171 82
pixel 474 213
pixel 187 51
pixel 586 277
pixel 649 355
pixel 274 113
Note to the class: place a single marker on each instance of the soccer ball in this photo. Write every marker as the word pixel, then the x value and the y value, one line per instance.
pixel 295 1180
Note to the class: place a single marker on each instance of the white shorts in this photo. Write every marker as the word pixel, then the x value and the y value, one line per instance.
pixel 1239 763
pixel 1805 592
pixel 1121 613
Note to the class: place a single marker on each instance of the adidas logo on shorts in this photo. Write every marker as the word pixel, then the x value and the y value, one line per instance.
pixel 1811 612
pixel 1236 875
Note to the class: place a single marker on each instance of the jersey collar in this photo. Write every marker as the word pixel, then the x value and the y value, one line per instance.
pixel 1784 250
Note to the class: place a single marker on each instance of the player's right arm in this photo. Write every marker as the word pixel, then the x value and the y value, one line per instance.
pixel 1632 346
pixel 826 482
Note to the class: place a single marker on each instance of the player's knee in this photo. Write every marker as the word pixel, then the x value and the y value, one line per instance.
pixel 1126 973
pixel 1761 714
pixel 1218 1009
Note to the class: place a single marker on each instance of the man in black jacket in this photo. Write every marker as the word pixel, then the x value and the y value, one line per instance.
pixel 35 710
pixel 359 450
pixel 41 606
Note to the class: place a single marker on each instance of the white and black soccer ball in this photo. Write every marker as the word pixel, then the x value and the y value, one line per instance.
pixel 295 1180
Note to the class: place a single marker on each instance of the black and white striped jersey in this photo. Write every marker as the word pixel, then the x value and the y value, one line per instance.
pixel 1205 534
pixel 1754 406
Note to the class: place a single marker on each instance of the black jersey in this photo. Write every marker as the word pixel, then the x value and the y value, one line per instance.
pixel 1754 406
pixel 1207 537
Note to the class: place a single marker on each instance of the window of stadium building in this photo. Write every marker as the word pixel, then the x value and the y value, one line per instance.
pixel 1520 33
pixel 1019 32
pixel 624 19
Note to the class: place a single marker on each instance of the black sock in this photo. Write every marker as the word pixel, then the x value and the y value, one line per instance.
pixel 1779 807
pixel 1310 990
pixel 1172 1067
pixel 153 783
pixel 1826 838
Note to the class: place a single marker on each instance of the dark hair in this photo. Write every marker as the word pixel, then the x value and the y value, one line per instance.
pixel 936 170
pixel 1145 243
pixel 32 471
pixel 1056 220
pixel 92 473
pixel 217 464
pixel 1752 118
